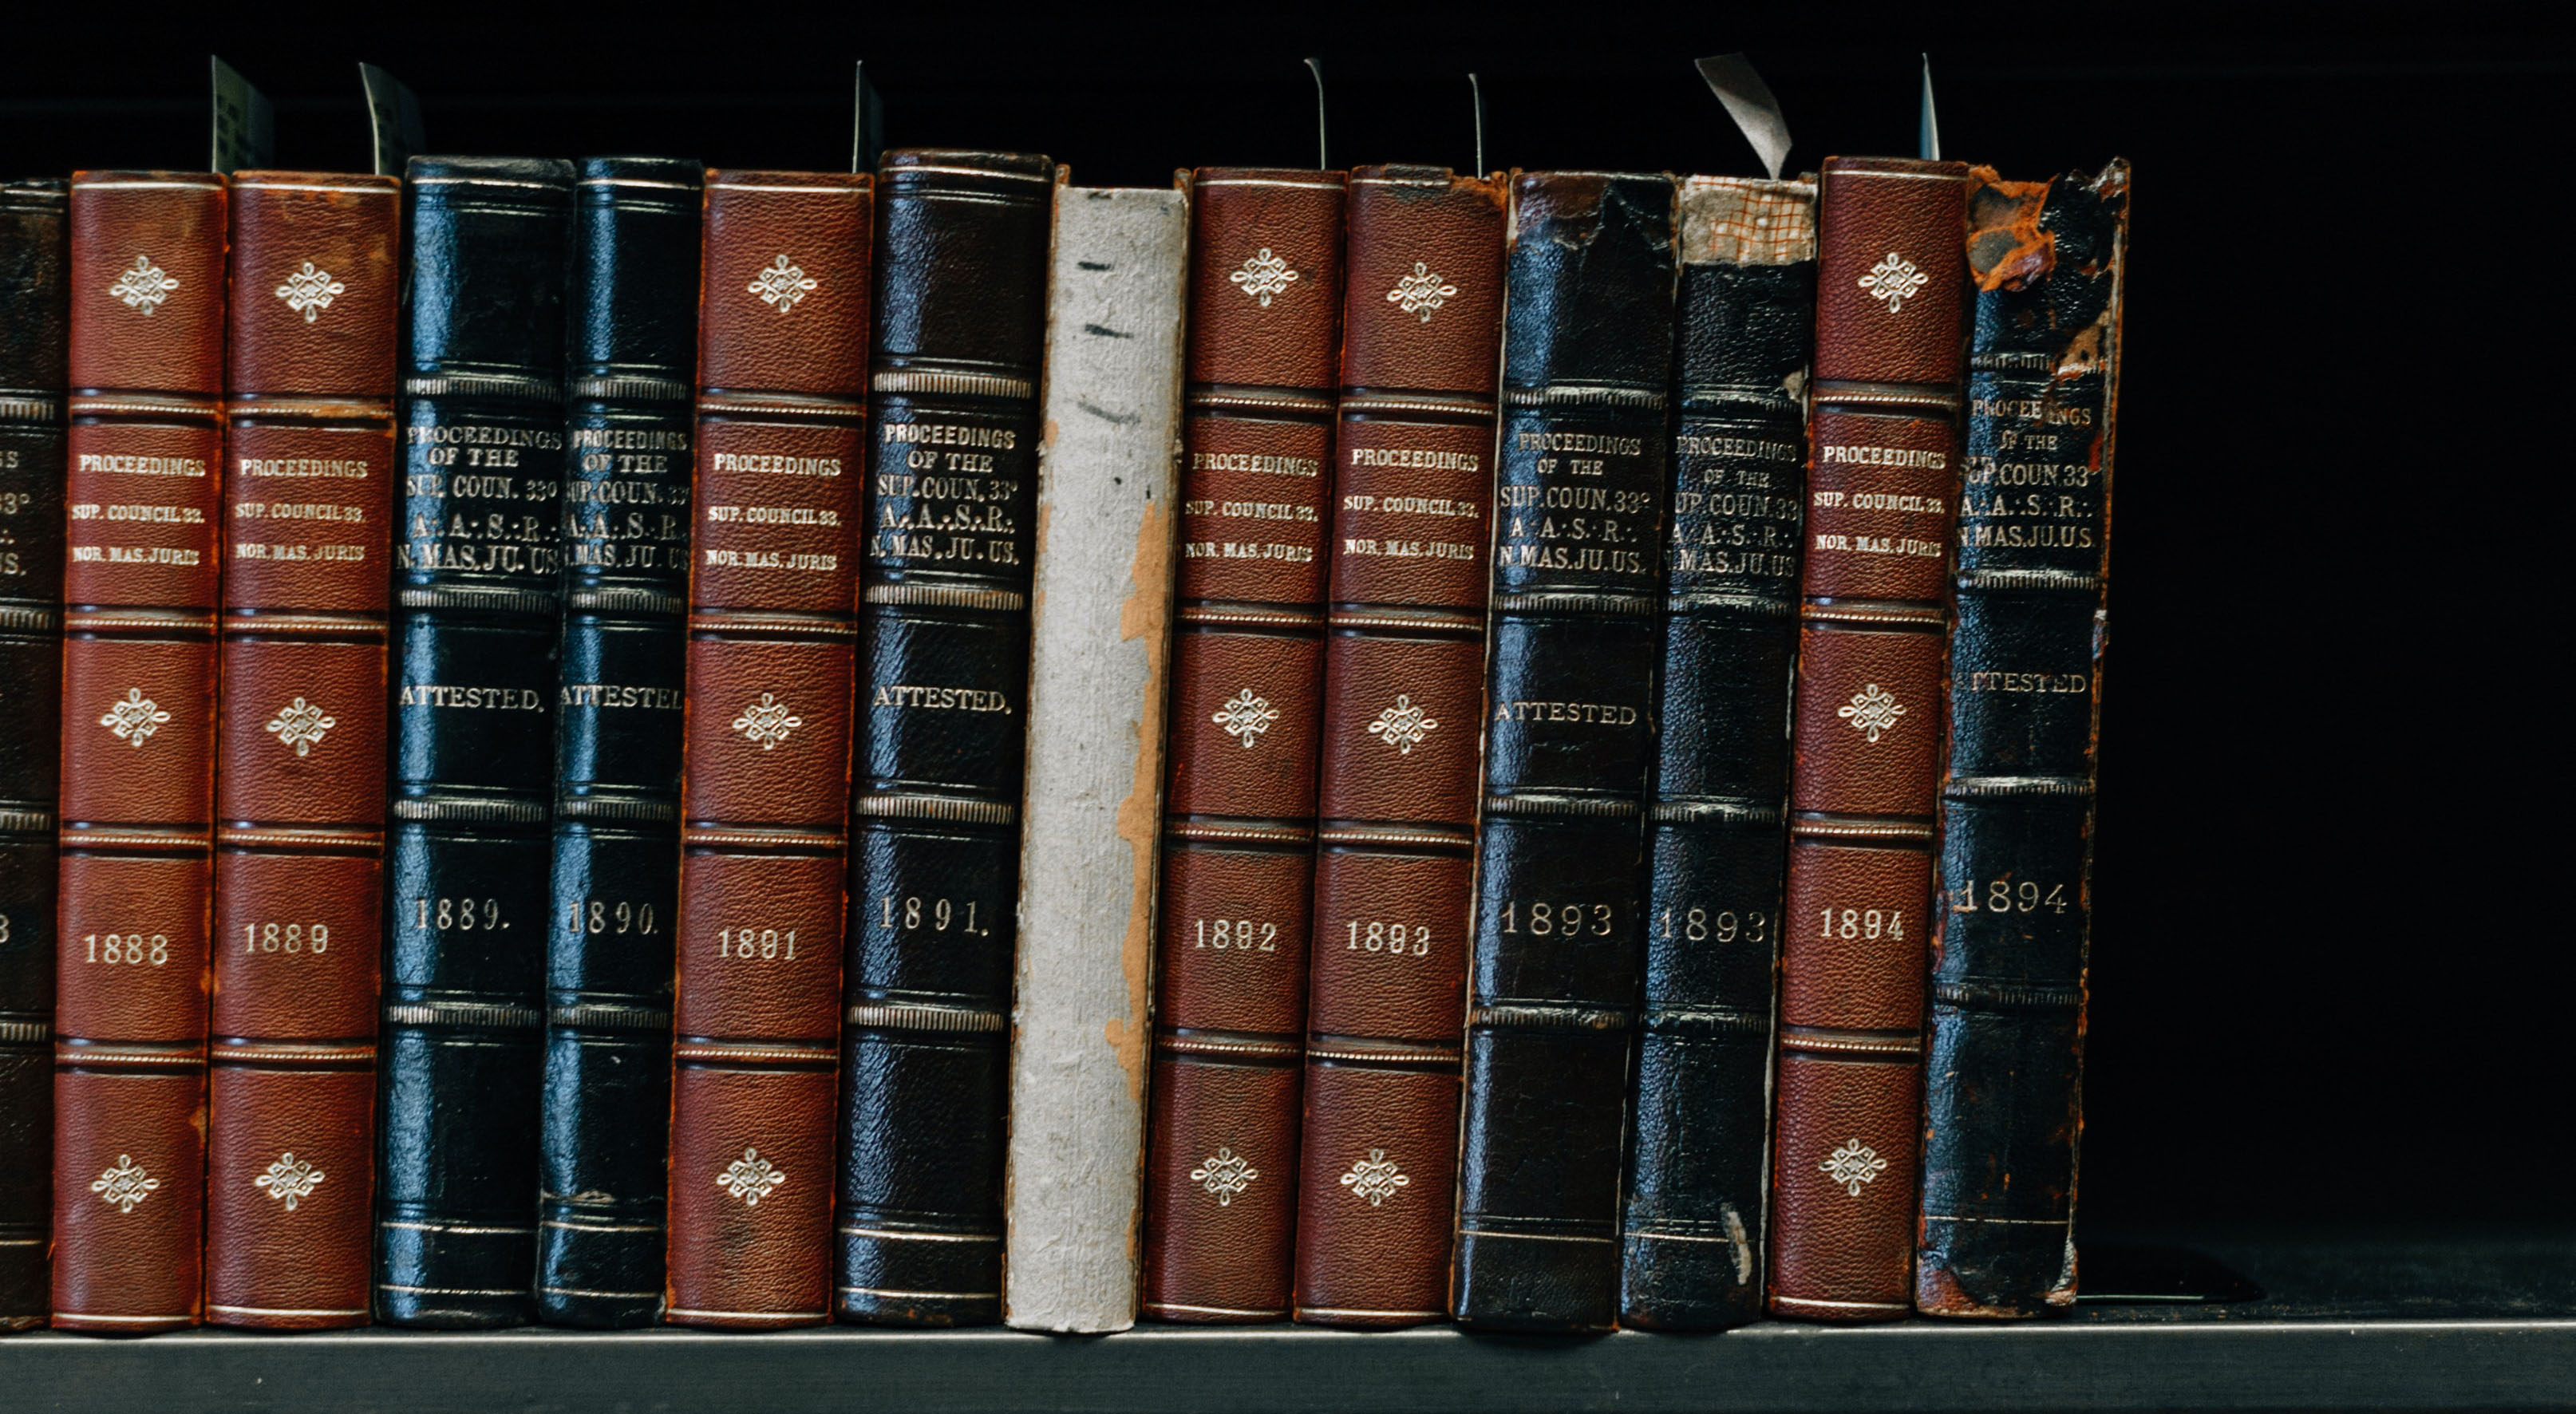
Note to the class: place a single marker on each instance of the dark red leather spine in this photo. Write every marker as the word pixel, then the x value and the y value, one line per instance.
pixel 34 300
pixel 1403 711
pixel 143 489
pixel 300 748
pixel 765 791
pixel 1239 812
pixel 1891 276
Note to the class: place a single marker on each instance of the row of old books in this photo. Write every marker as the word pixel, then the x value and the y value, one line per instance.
pixel 613 742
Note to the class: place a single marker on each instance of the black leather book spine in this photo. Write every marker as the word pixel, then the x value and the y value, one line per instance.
pixel 1578 505
pixel 1716 834
pixel 2002 1099
pixel 476 571
pixel 632 312
pixel 35 317
pixel 962 248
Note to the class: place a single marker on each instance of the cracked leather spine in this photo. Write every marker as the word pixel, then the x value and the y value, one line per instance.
pixel 962 241
pixel 631 309
pixel 34 381
pixel 1239 804
pixel 300 748
pixel 1883 447
pixel 2002 1098
pixel 1404 655
pixel 765 781
pixel 476 602
pixel 1691 1224
pixel 143 493
pixel 1581 485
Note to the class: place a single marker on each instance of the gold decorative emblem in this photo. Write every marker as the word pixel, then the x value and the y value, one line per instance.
pixel 301 725
pixel 289 1180
pixel 750 1178
pixel 767 721
pixel 1873 710
pixel 1263 276
pixel 134 718
pixel 1224 1175
pixel 1246 716
pixel 308 291
pixel 1375 1178
pixel 782 285
pixel 1894 280
pixel 1420 292
pixel 1852 1165
pixel 124 1185
pixel 1402 726
pixel 144 287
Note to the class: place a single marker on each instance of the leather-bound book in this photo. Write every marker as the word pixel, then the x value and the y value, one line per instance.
pixel 942 727
pixel 2001 1110
pixel 631 306
pixel 1404 657
pixel 1691 1228
pixel 1099 650
pixel 143 493
pixel 475 599
pixel 309 474
pixel 34 310
pixel 1580 492
pixel 1883 446
pixel 1238 829
pixel 765 784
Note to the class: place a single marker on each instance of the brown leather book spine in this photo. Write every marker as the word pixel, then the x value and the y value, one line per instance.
pixel 1239 813
pixel 1403 709
pixel 34 300
pixel 765 791
pixel 1883 430
pixel 300 748
pixel 144 497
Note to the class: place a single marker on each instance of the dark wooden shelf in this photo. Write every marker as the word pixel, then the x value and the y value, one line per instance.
pixel 2449 1321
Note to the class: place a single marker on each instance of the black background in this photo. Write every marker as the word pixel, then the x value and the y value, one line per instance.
pixel 2331 961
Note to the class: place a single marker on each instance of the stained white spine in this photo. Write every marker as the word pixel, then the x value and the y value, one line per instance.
pixel 1108 476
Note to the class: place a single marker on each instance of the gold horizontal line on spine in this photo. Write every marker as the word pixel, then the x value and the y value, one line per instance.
pixel 700 1313
pixel 1558 601
pixel 82 1055
pixel 841 187
pixel 1982 787
pixel 1712 812
pixel 1339 832
pixel 595 807
pixel 474 181
pixel 1404 620
pixel 1323 182
pixel 389 187
pixel 370 841
pixel 1435 183
pixel 140 184
pixel 756 837
pixel 1845 174
pixel 1211 833
pixel 1924 402
pixel 1547 1016
pixel 1825 1041
pixel 898 1235
pixel 609 1016
pixel 1357 1313
pixel 1704 1019
pixel 1584 395
pixel 635 182
pixel 892 806
pixel 466 1229
pixel 908 168
pixel 1466 1231
pixel 1861 828
pixel 479 599
pixel 23 819
pixel 787 405
pixel 775 625
pixel 25 1033
pixel 646 601
pixel 75 1319
pixel 239 623
pixel 1243 1047
pixel 1872 613
pixel 587 1225
pixel 653 1295
pixel 946 596
pixel 505 1016
pixel 1439 407
pixel 1249 1313
pixel 1197 615
pixel 898 1016
pixel 190 623
pixel 2008 994
pixel 1214 401
pixel 1840 1305
pixel 1571 806
pixel 236 1050
pixel 630 385
pixel 1642 1234
pixel 309 407
pixel 1384 1052
pixel 288 1311
pixel 516 386
pixel 1701 601
pixel 130 839
pixel 22 407
pixel 754 1052
pixel 490 812
pixel 2028 579
pixel 934 382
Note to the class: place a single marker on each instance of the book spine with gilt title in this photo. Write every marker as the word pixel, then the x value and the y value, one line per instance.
pixel 1238 865
pixel 1882 476
pixel 300 749
pixel 143 497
